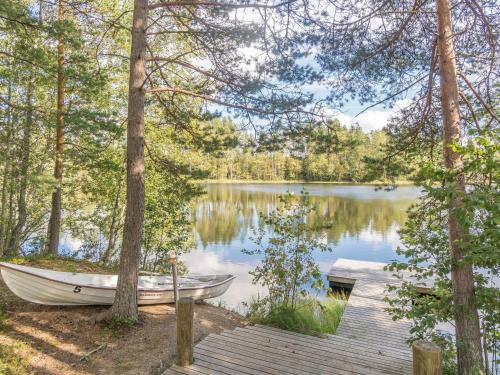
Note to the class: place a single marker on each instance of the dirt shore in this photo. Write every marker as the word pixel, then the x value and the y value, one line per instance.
pixel 56 340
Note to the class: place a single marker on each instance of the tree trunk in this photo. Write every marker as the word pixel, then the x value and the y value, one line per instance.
pixel 125 305
pixel 13 248
pixel 6 171
pixel 10 218
pixel 468 334
pixel 55 214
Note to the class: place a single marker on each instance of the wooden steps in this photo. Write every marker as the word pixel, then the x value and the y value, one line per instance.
pixel 367 341
pixel 265 350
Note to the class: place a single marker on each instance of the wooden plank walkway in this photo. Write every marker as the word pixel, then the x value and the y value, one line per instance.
pixel 365 318
pixel 367 342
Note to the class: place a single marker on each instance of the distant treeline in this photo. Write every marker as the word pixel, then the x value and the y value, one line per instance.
pixel 316 152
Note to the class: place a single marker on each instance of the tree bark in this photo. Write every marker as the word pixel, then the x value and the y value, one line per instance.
pixel 10 219
pixel 468 334
pixel 13 248
pixel 125 305
pixel 6 171
pixel 55 214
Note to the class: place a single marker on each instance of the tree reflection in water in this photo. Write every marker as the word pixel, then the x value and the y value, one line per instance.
pixel 228 211
pixel 356 221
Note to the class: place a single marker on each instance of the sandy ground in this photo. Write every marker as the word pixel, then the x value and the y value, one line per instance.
pixel 58 338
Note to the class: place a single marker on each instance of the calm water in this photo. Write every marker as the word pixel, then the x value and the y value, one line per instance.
pixel 363 224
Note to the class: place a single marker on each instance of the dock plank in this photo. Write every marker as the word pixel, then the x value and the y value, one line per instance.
pixel 367 341
pixel 325 351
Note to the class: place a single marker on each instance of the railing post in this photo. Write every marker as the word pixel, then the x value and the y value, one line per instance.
pixel 426 358
pixel 185 315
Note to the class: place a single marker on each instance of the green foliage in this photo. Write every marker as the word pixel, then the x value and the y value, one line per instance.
pixel 217 136
pixel 119 326
pixel 27 88
pixel 309 316
pixel 13 359
pixel 167 225
pixel 118 323
pixel 425 237
pixel 3 316
pixel 311 152
pixel 448 353
pixel 287 267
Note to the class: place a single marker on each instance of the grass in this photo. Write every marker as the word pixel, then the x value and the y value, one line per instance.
pixel 60 263
pixel 117 326
pixel 13 360
pixel 3 317
pixel 309 316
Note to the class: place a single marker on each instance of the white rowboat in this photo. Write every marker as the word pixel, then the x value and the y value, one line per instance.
pixel 49 287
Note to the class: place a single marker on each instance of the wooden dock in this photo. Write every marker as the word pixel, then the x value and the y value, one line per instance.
pixel 367 342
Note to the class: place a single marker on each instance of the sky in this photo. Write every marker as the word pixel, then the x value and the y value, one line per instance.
pixel 350 114
pixel 372 119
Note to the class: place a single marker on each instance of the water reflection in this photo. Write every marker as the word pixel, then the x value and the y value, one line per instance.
pixel 357 221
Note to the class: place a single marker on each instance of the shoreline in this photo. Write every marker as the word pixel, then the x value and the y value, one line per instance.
pixel 256 182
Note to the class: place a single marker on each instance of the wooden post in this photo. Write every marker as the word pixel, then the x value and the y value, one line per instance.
pixel 185 315
pixel 173 262
pixel 426 358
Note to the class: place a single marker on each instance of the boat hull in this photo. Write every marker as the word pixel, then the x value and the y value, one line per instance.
pixel 42 290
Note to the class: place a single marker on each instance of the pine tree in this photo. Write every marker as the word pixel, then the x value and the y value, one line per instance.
pixel 379 52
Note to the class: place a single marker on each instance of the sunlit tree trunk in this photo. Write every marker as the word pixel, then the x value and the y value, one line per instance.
pixel 55 213
pixel 468 335
pixel 6 171
pixel 10 216
pixel 125 305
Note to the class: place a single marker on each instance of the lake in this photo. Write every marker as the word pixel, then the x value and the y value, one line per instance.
pixel 362 224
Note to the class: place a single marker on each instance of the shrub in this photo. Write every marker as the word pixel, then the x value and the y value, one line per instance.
pixel 287 267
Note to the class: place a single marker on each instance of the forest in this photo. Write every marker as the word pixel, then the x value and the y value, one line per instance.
pixel 113 113
pixel 319 152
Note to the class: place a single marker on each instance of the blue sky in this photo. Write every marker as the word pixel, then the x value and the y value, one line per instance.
pixel 373 119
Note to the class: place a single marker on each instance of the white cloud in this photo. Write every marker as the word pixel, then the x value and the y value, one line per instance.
pixel 391 235
pixel 344 119
pixel 242 288
pixel 402 104
pixel 372 120
pixel 70 243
